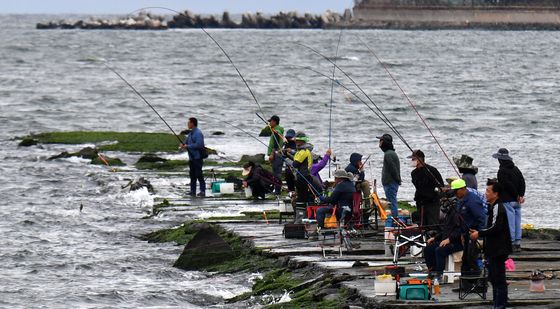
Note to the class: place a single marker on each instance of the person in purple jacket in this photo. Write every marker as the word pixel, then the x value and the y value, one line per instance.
pixel 320 165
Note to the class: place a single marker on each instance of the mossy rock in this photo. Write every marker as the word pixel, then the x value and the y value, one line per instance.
pixel 27 142
pixel 257 158
pixel 205 249
pixel 111 161
pixel 86 153
pixel 150 158
pixel 162 165
pixel 125 141
pixel 541 234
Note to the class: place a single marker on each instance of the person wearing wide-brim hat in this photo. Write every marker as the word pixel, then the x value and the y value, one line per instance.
pixel 259 180
pixel 468 170
pixel 341 197
pixel 513 194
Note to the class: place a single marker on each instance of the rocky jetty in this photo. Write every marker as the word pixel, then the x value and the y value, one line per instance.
pixel 142 21
pixel 187 19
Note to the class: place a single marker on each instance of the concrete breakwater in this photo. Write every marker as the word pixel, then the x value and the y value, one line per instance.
pixel 148 21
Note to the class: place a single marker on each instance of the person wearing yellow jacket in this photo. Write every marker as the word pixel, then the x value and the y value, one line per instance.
pixel 303 160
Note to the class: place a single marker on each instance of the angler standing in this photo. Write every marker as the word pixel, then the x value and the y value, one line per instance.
pixel 497 246
pixel 303 161
pixel 194 144
pixel 391 173
pixel 274 150
pixel 426 179
pixel 511 178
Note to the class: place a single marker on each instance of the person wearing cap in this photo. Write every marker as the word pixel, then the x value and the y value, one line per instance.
pixel 194 144
pixel 275 144
pixel 391 172
pixel 511 178
pixel 259 180
pixel 426 180
pixel 289 148
pixel 468 170
pixel 356 167
pixel 470 207
pixel 497 244
pixel 341 197
pixel 302 162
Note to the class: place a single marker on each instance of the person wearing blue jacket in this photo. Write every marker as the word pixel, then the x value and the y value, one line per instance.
pixel 194 144
pixel 471 210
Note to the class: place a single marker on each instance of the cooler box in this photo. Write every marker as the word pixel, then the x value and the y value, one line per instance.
pixel 216 186
pixel 414 292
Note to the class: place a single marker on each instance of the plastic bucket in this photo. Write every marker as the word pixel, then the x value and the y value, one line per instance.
pixel 226 188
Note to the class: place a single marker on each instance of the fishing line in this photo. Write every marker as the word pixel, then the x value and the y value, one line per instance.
pixel 411 104
pixel 332 93
pixel 384 119
pixel 142 97
pixel 393 128
pixel 238 73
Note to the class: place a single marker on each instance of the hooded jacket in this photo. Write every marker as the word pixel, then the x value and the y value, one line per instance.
pixel 342 195
pixel 512 180
pixel 391 172
pixel 497 237
pixel 452 226
pixel 303 160
pixel 354 167
pixel 426 179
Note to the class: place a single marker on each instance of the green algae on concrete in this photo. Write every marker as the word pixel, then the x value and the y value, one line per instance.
pixel 168 165
pixel 119 141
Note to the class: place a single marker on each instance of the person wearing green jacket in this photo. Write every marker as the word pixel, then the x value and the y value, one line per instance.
pixel 391 173
pixel 275 150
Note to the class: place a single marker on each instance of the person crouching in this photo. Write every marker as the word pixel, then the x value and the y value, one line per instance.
pixel 342 197
pixel 259 180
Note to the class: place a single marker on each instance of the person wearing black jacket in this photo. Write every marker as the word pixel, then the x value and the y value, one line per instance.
pixel 497 244
pixel 444 243
pixel 341 197
pixel 259 180
pixel 426 179
pixel 513 195
pixel 356 167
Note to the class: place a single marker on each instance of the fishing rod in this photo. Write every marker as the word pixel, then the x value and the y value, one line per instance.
pixel 315 191
pixel 388 122
pixel 143 99
pixel 384 119
pixel 422 119
pixel 332 92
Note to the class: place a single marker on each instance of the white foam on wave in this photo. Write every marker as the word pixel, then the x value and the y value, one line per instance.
pixel 140 197
pixel 77 160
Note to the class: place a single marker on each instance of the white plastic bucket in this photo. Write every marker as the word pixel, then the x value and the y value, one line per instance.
pixel 226 188
pixel 248 192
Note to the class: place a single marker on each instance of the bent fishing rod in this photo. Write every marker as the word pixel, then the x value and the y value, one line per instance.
pixel 312 187
pixel 332 93
pixel 143 99
pixel 388 122
pixel 422 119
pixel 230 61
pixel 384 119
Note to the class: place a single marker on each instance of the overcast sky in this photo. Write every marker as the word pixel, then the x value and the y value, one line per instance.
pixel 197 6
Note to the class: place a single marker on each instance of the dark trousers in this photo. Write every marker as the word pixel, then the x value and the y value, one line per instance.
pixel 435 255
pixel 304 194
pixel 277 164
pixel 195 173
pixel 429 213
pixel 258 190
pixel 497 276
pixel 322 213
pixel 290 179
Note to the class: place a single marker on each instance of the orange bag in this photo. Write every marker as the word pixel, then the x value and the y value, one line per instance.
pixel 331 222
